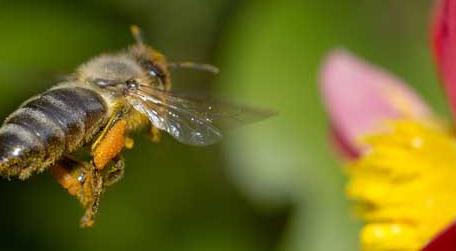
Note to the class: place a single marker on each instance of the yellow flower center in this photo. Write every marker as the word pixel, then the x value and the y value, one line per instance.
pixel 405 186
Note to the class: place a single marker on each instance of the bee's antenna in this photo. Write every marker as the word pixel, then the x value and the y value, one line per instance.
pixel 195 66
pixel 137 34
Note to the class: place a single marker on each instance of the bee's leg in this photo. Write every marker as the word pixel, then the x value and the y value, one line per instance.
pixel 97 181
pixel 110 142
pixel 83 181
pixel 70 174
pixel 114 172
pixel 91 197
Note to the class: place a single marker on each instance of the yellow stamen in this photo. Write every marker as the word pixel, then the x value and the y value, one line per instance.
pixel 405 186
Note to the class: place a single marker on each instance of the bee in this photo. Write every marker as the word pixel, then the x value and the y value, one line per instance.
pixel 95 109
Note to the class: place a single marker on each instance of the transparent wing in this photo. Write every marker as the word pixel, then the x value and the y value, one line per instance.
pixel 193 120
pixel 182 125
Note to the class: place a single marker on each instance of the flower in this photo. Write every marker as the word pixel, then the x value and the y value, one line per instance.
pixel 400 157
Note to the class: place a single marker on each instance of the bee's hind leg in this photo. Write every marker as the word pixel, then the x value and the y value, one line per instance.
pixel 97 181
pixel 91 197
pixel 88 180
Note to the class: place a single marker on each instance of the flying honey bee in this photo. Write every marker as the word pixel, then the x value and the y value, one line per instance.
pixel 96 109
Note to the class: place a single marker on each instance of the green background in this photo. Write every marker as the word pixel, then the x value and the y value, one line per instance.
pixel 273 185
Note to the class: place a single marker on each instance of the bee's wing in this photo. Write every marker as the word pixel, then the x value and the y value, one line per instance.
pixel 191 120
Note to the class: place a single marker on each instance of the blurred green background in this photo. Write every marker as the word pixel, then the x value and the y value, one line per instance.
pixel 274 185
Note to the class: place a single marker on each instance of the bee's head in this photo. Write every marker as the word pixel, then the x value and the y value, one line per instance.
pixel 153 65
pixel 141 64
pixel 114 72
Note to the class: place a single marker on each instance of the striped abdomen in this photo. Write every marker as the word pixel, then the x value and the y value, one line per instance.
pixel 48 126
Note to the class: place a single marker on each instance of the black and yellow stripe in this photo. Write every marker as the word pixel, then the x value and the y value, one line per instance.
pixel 48 126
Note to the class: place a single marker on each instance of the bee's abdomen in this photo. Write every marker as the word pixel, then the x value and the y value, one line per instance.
pixel 48 126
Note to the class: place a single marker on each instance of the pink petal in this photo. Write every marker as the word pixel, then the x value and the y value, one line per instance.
pixel 360 97
pixel 341 145
pixel 446 241
pixel 444 43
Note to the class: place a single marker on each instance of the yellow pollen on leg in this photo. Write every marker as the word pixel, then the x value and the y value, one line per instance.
pixel 404 186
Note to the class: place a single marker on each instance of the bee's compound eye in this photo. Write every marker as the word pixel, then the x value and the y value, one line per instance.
pixel 154 70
